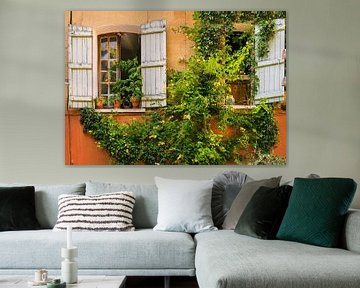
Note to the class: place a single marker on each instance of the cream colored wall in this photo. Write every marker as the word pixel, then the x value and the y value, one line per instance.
pixel 323 91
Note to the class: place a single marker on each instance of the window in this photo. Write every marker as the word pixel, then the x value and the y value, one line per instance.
pixel 109 54
pixel 148 44
pixel 112 48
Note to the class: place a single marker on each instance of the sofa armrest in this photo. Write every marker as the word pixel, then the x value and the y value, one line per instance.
pixel 351 234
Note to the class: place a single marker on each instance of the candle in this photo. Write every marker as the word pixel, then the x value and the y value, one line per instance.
pixel 69 239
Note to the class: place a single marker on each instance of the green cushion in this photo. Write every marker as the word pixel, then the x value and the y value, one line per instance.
pixel 316 211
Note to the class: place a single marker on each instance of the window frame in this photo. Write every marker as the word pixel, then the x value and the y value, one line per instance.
pixel 109 60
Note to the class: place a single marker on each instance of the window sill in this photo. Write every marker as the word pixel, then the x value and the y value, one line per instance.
pixel 114 110
pixel 242 107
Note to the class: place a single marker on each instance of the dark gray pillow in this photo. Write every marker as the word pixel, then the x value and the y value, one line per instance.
pixel 17 209
pixel 243 198
pixel 225 189
pixel 263 215
pixel 46 200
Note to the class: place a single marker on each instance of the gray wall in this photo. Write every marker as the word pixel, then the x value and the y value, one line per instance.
pixel 323 88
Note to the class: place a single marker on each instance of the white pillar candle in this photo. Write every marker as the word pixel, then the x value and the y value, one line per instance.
pixel 69 237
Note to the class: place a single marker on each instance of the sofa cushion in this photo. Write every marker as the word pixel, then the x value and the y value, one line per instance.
pixel 243 198
pixel 105 212
pixel 263 214
pixel 311 176
pixel 17 208
pixel 46 200
pixel 226 187
pixel 112 251
pixel 146 205
pixel 350 239
pixel 225 259
pixel 184 205
pixel 317 209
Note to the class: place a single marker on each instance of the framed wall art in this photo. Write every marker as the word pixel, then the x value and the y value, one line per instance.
pixel 175 87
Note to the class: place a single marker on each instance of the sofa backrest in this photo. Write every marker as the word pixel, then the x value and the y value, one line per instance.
pixel 146 203
pixel 46 200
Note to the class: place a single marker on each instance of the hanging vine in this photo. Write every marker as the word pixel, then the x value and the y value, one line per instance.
pixel 182 132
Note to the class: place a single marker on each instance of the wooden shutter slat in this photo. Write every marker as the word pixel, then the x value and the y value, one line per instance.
pixel 80 67
pixel 153 63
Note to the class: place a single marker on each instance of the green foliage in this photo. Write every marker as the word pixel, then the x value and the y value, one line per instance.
pixel 262 117
pixel 210 29
pixel 182 138
pixel 266 24
pixel 266 159
pixel 183 132
pixel 255 17
pixel 265 34
pixel 131 84
pixel 208 78
pixel 154 141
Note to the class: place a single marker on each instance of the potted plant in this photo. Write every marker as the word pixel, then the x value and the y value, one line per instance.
pixel 129 87
pixel 115 101
pixel 135 101
pixel 99 102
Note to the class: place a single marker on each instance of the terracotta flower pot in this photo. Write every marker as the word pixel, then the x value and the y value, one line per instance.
pixel 135 103
pixel 117 104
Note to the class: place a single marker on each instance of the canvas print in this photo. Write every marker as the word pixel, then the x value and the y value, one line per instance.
pixel 175 88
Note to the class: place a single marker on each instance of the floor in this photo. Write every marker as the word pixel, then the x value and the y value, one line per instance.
pixel 158 282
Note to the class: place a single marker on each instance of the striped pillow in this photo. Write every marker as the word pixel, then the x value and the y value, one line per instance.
pixel 105 212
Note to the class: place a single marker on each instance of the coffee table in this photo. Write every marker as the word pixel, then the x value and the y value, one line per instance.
pixel 84 281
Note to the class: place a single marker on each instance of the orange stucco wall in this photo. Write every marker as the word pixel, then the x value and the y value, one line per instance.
pixel 81 149
pixel 280 147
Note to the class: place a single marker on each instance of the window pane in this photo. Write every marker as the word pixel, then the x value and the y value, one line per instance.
pixel 104 48
pixel 113 47
pixel 113 42
pixel 104 77
pixel 113 76
pixel 112 65
pixel 104 89
pixel 112 88
pixel 112 53
pixel 104 65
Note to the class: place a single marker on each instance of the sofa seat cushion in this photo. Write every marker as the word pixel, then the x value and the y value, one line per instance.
pixel 226 259
pixel 141 249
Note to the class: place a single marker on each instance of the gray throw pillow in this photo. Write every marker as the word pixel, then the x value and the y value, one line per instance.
pixel 226 187
pixel 310 176
pixel 146 204
pixel 242 199
pixel 184 205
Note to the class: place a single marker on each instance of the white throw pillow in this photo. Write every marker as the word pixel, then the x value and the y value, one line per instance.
pixel 105 212
pixel 184 205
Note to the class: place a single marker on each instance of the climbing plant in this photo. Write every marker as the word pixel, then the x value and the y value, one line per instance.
pixel 266 27
pixel 183 138
pixel 192 129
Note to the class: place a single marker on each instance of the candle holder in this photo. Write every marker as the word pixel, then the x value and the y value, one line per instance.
pixel 69 271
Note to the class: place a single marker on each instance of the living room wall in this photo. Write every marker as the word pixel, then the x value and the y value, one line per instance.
pixel 323 44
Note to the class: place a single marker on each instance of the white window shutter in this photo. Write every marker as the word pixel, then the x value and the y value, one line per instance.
pixel 80 67
pixel 271 70
pixel 153 63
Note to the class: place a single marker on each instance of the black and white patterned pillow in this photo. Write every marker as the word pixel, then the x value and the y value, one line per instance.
pixel 105 212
